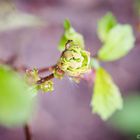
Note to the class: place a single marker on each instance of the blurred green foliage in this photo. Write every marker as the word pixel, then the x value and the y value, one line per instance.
pixel 128 119
pixel 11 18
pixel 16 100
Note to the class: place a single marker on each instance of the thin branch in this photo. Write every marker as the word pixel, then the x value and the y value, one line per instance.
pixel 46 78
pixel 11 60
pixel 42 70
pixel 27 132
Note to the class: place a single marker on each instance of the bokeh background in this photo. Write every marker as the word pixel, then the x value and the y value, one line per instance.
pixel 65 114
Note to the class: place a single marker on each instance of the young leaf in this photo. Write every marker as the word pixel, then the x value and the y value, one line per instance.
pixel 118 44
pixel 62 43
pixel 107 97
pixel 16 99
pixel 105 25
pixel 70 34
pixel 67 24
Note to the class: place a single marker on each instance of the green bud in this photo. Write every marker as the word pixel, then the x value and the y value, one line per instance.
pixel 74 60
pixel 32 76
pixel 46 86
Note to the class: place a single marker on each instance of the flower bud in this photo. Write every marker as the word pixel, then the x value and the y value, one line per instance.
pixel 46 86
pixel 32 76
pixel 74 60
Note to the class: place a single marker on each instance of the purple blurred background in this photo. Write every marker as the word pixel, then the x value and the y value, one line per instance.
pixel 65 114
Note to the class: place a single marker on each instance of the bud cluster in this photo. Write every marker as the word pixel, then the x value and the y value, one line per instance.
pixel 74 61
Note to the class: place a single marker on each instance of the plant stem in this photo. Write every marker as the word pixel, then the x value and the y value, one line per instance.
pixel 11 60
pixel 42 70
pixel 46 78
pixel 27 132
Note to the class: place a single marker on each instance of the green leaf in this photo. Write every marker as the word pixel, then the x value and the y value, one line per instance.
pixel 67 24
pixel 118 44
pixel 70 34
pixel 107 97
pixel 128 119
pixel 16 101
pixel 62 43
pixel 105 25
